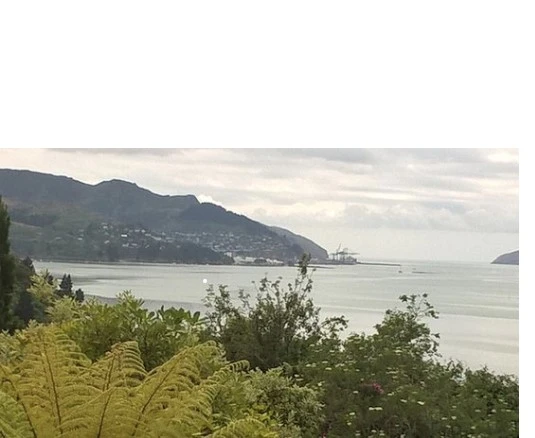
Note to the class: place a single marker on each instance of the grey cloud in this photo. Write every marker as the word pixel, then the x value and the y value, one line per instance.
pixel 163 152
pixel 454 189
pixel 434 155
pixel 438 216
pixel 453 206
pixel 363 156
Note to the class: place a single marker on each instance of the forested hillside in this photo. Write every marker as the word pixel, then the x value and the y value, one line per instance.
pixel 61 218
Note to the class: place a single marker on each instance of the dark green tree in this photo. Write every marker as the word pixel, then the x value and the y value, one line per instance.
pixel 28 262
pixel 7 270
pixel 79 295
pixel 65 287
pixel 25 306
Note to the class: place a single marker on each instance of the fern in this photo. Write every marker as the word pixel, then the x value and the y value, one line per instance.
pixel 169 381
pixel 13 421
pixel 53 390
pixel 48 382
pixel 192 410
pixel 114 376
pixel 121 367
pixel 107 415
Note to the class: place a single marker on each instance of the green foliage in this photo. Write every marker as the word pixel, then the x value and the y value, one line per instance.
pixel 48 381
pixel 7 270
pixel 54 390
pixel 37 296
pixel 96 327
pixel 79 295
pixel 65 287
pixel 13 422
pixel 43 287
pixel 25 305
pixel 63 311
pixel 391 383
pixel 296 408
pixel 279 328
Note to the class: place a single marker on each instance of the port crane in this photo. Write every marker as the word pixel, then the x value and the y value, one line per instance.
pixel 344 255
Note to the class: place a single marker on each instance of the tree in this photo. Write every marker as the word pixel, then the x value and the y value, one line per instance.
pixel 79 295
pixel 28 262
pixel 7 270
pixel 279 328
pixel 24 304
pixel 65 287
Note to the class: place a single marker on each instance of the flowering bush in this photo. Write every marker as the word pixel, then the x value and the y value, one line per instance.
pixel 392 384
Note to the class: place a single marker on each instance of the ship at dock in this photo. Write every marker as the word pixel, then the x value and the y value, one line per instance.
pixel 341 257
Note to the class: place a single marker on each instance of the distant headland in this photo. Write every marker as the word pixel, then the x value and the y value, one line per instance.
pixel 510 258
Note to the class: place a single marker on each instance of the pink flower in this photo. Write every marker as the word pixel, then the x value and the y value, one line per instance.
pixel 378 388
pixel 371 388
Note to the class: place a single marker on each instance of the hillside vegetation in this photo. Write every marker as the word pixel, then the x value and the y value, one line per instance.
pixel 55 217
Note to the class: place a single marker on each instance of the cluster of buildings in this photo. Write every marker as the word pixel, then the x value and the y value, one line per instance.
pixel 243 248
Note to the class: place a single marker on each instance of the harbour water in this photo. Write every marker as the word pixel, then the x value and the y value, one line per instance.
pixel 477 302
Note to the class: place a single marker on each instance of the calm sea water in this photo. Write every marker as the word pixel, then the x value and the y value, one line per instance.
pixel 477 303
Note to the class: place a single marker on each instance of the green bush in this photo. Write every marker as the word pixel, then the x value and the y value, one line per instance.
pixel 279 328
pixel 95 327
pixel 392 383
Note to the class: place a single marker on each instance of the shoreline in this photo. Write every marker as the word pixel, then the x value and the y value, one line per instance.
pixel 260 265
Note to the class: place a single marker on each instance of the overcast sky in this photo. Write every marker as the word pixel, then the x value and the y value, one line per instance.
pixel 437 204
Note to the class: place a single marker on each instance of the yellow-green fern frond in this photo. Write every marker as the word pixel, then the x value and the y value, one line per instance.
pixel 122 367
pixel 192 411
pixel 168 381
pixel 110 414
pixel 48 381
pixel 52 390
pixel 13 420
pixel 8 384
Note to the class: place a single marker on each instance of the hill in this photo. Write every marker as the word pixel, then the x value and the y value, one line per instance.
pixel 317 252
pixel 59 217
pixel 511 258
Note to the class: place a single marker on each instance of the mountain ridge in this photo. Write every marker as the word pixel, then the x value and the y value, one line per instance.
pixel 70 215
